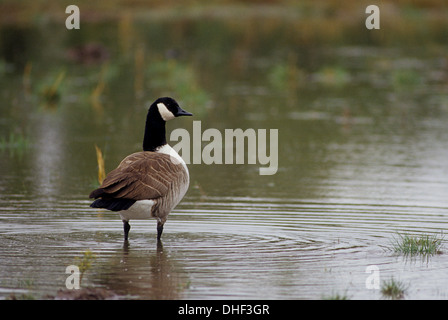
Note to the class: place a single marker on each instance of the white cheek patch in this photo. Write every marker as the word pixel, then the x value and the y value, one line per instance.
pixel 164 112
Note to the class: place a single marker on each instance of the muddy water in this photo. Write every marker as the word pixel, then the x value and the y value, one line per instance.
pixel 363 149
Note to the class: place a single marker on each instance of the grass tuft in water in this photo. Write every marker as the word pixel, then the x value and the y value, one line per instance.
pixel 393 289
pixel 418 244
pixel 85 263
pixel 14 141
pixel 27 284
pixel 51 92
pixel 100 161
pixel 406 78
pixel 336 296
pixel 335 76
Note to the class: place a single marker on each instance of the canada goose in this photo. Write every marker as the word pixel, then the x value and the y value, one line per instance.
pixel 147 184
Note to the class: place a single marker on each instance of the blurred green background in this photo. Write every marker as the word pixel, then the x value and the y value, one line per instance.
pixel 258 64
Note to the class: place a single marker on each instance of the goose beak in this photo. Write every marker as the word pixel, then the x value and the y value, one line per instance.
pixel 182 112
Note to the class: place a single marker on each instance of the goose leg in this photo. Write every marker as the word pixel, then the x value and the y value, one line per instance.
pixel 126 227
pixel 159 229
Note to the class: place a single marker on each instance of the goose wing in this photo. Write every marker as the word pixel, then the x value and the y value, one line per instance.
pixel 140 176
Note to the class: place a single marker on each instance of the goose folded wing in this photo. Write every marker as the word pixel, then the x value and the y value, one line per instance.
pixel 140 176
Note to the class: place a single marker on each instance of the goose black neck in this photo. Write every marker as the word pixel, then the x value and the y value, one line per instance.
pixel 154 132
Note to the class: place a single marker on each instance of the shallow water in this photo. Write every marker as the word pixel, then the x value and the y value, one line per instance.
pixel 265 248
pixel 363 151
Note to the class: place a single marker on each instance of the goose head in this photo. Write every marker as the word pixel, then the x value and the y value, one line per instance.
pixel 169 109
